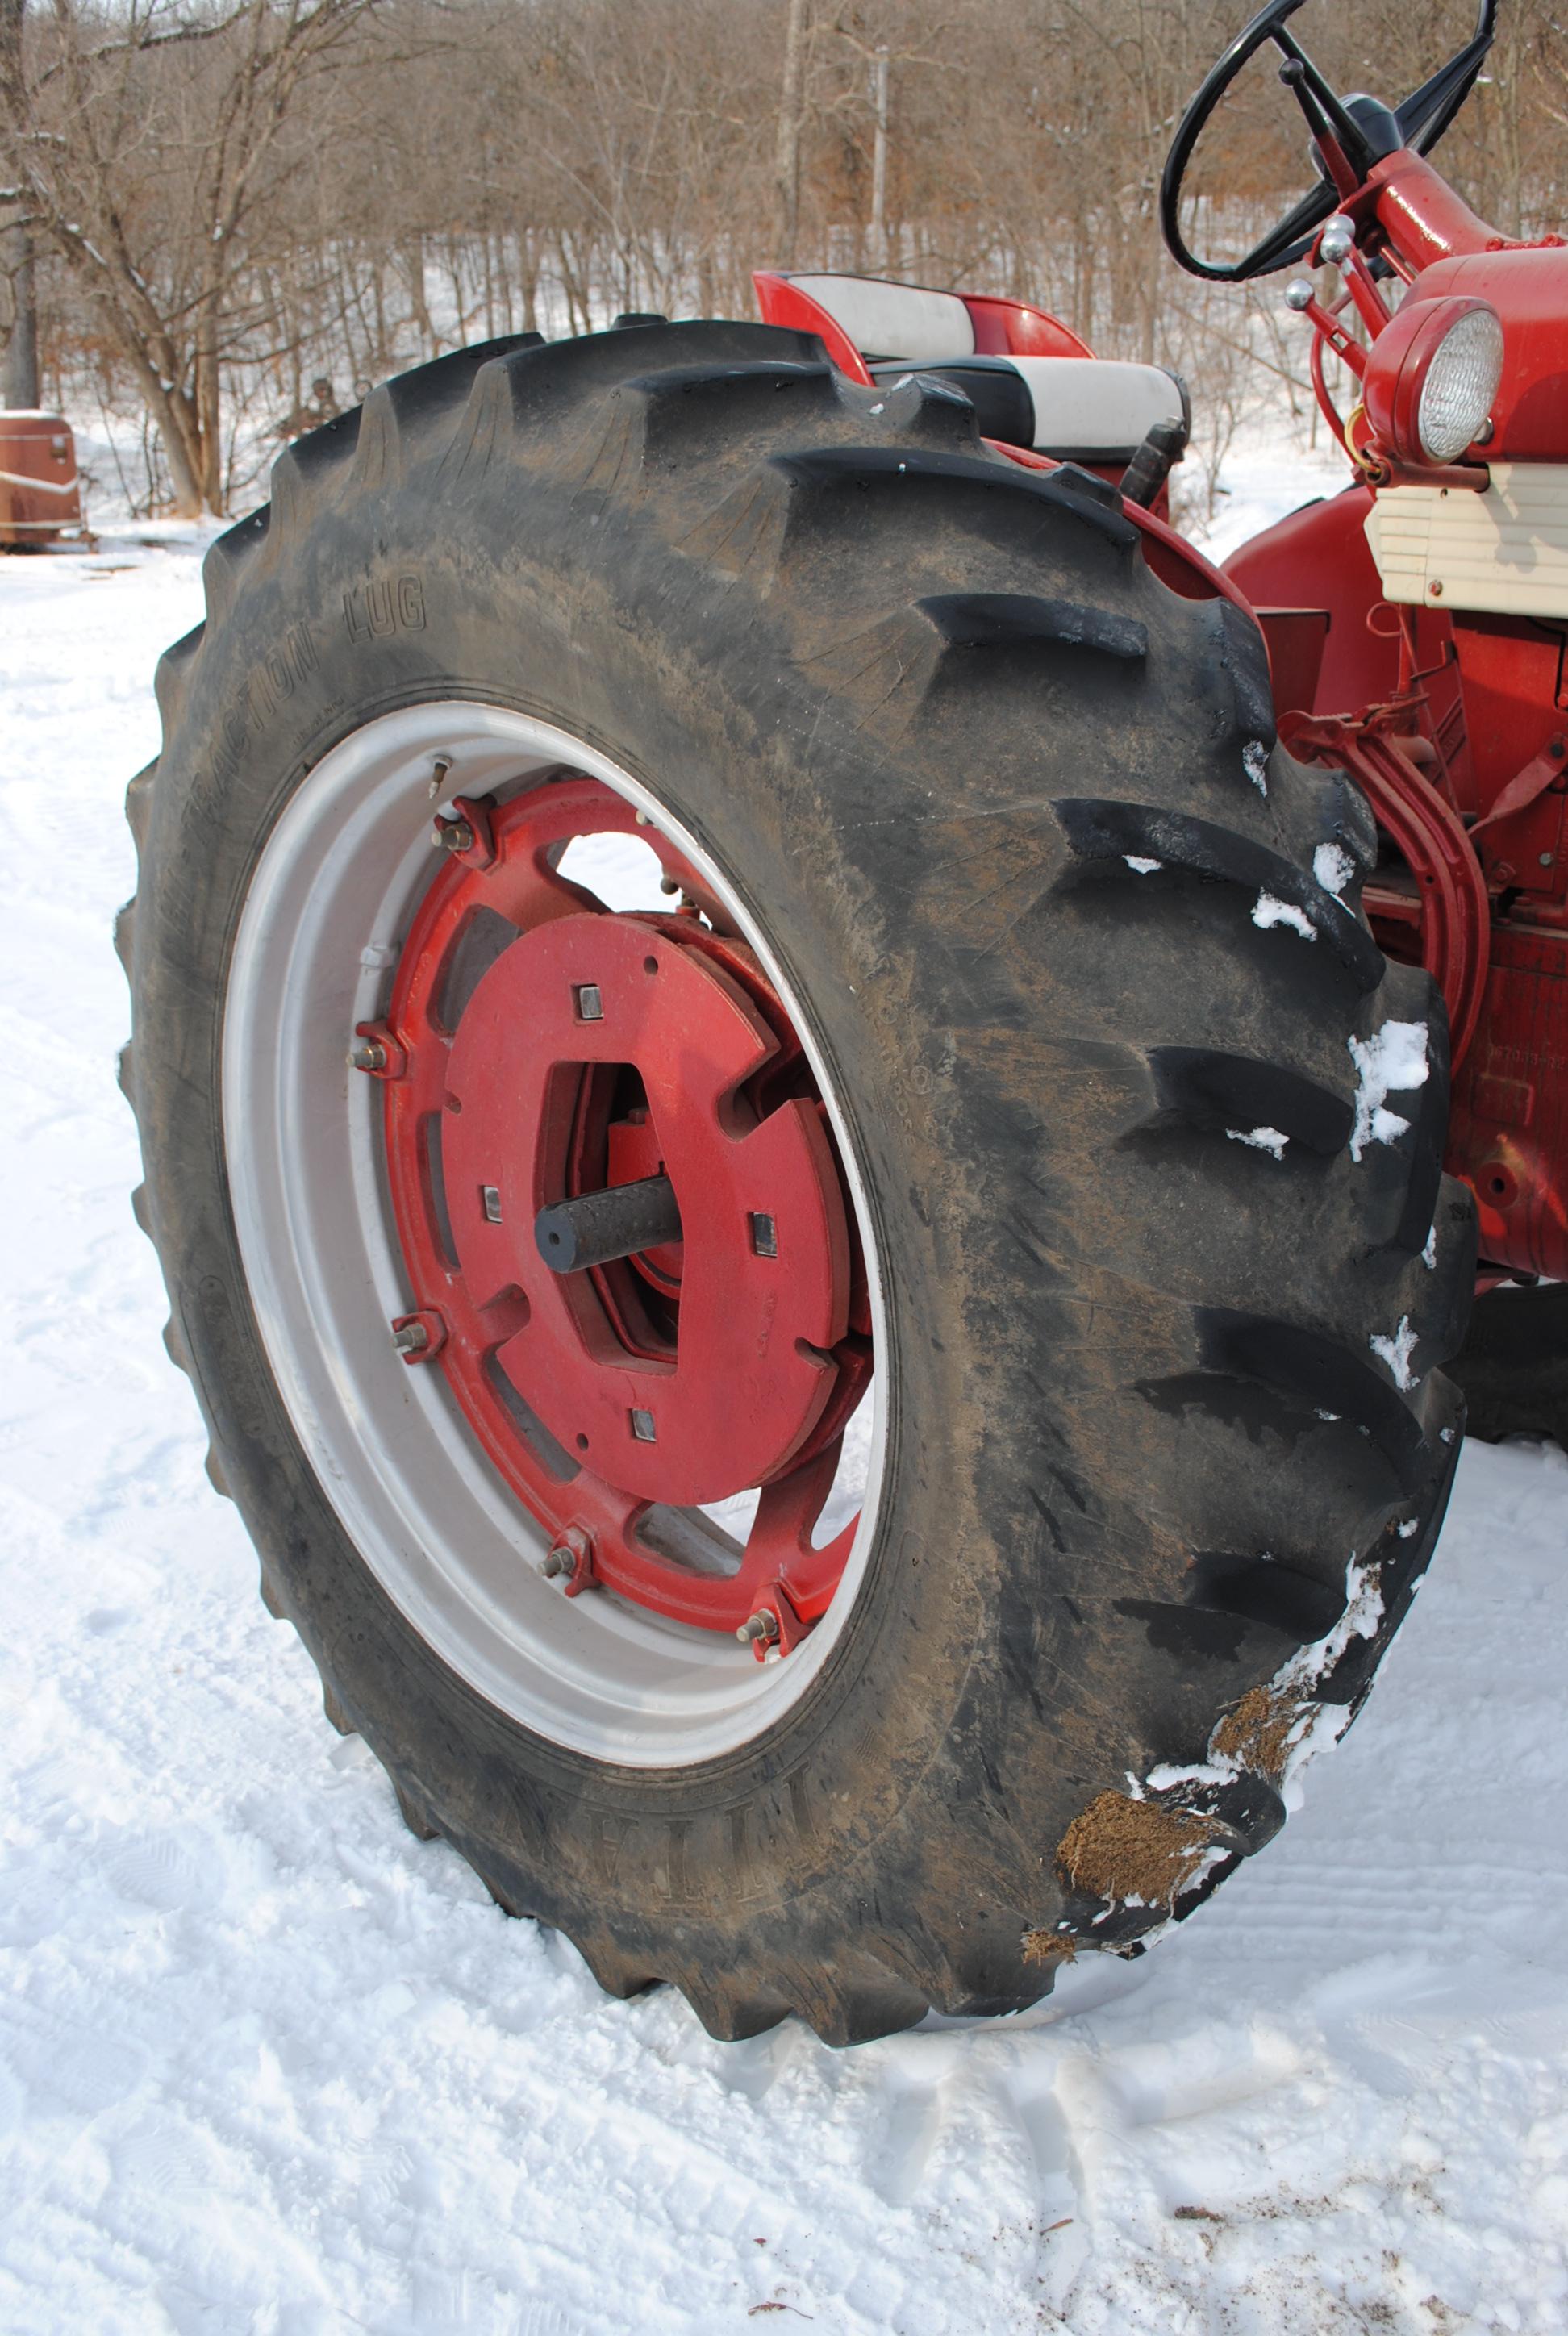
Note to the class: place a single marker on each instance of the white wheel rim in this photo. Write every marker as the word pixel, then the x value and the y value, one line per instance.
pixel 322 928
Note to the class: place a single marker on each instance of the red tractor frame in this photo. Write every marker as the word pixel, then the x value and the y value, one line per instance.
pixel 1417 622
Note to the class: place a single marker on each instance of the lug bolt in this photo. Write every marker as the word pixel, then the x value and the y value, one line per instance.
pixel 762 1624
pixel 455 834
pixel 412 1339
pixel 560 1559
pixel 367 1055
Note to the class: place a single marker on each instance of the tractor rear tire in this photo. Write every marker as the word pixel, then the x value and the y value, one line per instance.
pixel 1168 1273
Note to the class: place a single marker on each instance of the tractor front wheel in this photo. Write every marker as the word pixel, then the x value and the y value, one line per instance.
pixel 808 1225
pixel 1512 1368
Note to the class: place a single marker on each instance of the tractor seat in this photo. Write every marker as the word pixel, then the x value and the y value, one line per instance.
pixel 1091 410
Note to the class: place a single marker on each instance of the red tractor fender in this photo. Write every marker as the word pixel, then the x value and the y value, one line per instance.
pixel 1001 328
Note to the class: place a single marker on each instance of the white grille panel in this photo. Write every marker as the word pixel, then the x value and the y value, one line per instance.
pixel 1505 552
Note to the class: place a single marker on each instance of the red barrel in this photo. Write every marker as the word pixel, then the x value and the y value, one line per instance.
pixel 39 490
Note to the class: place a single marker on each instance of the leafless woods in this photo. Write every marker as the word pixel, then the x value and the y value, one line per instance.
pixel 238 211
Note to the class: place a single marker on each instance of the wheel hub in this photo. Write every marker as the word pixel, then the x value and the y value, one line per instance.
pixel 764 1273
pixel 538 1048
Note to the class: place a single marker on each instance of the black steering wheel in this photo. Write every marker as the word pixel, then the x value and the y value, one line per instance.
pixel 1362 129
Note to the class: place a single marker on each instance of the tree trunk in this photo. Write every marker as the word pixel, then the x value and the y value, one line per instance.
pixel 412 250
pixel 19 373
pixel 787 166
pixel 169 413
pixel 19 376
pixel 528 274
pixel 880 164
pixel 181 450
pixel 208 409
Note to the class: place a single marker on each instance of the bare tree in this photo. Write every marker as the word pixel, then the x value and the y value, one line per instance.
pixel 791 126
pixel 227 201
pixel 154 179
pixel 19 378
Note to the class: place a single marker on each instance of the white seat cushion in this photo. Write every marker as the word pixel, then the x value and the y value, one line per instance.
pixel 894 320
pixel 1096 408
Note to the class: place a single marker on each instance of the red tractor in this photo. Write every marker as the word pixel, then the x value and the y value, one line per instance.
pixel 794 1074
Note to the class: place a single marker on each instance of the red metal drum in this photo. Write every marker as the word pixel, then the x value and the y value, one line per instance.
pixel 40 492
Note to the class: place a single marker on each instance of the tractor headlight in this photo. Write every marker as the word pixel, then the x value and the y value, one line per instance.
pixel 1462 377
pixel 1431 378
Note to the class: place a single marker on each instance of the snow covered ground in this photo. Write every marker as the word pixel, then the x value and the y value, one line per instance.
pixel 269 2067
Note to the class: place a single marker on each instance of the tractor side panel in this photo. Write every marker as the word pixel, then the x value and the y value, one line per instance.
pixel 1508 1135
pixel 1317 560
pixel 1334 647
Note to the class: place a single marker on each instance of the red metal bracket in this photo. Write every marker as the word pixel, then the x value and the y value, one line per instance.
pixel 393 1063
pixel 1426 832
pixel 584 1573
pixel 433 1325
pixel 464 812
pixel 790 1631
pixel 1530 784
